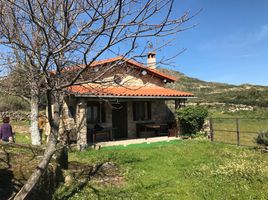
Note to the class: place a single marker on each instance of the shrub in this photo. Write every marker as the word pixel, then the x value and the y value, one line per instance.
pixel 262 138
pixel 192 118
pixel 12 103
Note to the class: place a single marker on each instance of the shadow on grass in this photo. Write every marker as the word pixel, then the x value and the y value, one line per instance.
pixel 82 178
pixel 6 184
pixel 93 178
pixel 13 167
pixel 136 192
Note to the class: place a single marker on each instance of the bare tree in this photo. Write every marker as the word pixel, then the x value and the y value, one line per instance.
pixel 24 79
pixel 50 35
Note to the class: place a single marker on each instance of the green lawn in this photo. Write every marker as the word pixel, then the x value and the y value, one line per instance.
pixel 186 169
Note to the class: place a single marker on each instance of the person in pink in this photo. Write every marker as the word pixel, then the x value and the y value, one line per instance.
pixel 6 133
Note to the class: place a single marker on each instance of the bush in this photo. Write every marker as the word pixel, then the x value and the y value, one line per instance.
pixel 192 119
pixel 12 103
pixel 262 138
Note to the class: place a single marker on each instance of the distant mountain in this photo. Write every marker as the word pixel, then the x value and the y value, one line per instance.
pixel 211 92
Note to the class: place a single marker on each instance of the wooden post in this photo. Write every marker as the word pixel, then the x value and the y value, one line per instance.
pixel 177 128
pixel 237 132
pixel 211 130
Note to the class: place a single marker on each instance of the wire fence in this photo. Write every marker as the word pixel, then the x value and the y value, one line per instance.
pixel 239 131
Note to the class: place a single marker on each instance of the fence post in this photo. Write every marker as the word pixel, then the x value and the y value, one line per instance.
pixel 237 132
pixel 211 130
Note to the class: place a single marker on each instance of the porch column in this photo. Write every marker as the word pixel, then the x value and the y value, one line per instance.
pixel 81 122
pixel 179 103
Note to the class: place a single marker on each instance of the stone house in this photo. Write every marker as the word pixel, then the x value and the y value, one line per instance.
pixel 127 96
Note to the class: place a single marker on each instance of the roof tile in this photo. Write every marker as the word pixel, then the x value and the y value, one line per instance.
pixel 117 91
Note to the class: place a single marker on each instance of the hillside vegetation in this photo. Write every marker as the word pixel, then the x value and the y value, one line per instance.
pixel 12 103
pixel 212 92
pixel 206 92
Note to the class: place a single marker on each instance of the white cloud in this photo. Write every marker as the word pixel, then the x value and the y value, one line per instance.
pixel 263 34
pixel 236 40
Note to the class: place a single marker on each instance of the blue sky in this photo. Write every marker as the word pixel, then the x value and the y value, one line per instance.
pixel 230 43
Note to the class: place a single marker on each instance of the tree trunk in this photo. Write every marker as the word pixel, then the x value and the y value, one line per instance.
pixel 36 175
pixel 35 134
pixel 54 121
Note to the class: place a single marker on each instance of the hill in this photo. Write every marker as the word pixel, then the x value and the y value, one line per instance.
pixel 211 92
pixel 206 92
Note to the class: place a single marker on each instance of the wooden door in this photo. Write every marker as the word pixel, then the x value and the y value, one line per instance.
pixel 120 120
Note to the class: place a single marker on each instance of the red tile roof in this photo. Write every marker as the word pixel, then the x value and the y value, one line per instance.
pixel 117 91
pixel 133 63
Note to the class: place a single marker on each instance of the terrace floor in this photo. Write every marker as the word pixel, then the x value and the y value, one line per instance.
pixel 134 141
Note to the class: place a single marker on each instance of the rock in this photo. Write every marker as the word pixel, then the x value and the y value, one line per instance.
pixel 68 180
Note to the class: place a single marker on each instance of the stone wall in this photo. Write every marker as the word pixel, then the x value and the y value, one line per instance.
pixel 160 111
pixel 131 77
pixel 17 115
pixel 224 106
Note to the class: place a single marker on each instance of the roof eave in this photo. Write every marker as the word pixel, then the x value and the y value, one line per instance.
pixel 133 97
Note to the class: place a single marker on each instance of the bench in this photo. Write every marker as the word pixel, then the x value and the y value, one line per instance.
pixel 140 127
pixel 107 132
pixel 151 129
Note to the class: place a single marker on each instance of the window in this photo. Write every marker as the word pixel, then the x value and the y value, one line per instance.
pixel 141 111
pixel 95 113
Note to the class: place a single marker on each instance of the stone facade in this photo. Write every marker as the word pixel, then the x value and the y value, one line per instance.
pixel 81 125
pixel 130 77
pixel 159 114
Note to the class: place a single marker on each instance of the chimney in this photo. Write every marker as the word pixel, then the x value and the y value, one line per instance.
pixel 151 60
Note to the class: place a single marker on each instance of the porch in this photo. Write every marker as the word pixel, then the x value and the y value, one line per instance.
pixel 143 130
pixel 115 120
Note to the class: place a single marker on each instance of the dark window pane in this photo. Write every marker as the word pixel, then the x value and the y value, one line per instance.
pixel 149 110
pixel 95 113
pixel 139 111
pixel 103 113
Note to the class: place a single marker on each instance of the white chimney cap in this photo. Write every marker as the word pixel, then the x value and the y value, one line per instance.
pixel 151 60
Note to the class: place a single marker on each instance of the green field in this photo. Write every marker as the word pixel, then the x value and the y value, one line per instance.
pixel 186 169
pixel 225 129
pixel 250 123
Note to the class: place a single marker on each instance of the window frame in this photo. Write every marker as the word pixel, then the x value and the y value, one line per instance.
pixel 147 111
